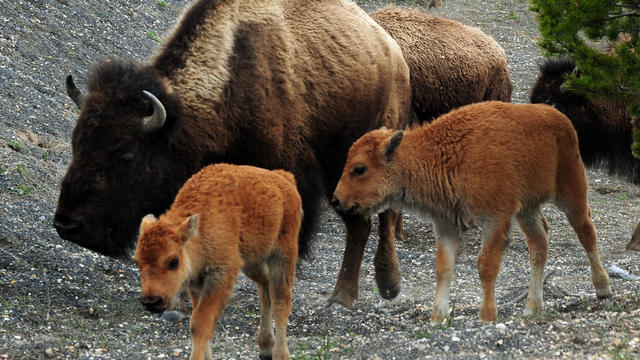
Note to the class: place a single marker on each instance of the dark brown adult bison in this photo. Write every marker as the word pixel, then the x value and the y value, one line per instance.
pixel 604 128
pixel 289 85
pixel 450 64
pixel 277 84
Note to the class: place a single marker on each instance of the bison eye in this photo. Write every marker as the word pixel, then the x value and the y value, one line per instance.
pixel 126 158
pixel 173 264
pixel 359 169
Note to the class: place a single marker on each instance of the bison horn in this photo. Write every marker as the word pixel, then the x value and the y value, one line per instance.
pixel 73 92
pixel 156 120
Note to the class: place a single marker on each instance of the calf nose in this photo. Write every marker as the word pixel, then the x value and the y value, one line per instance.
pixel 152 303
pixel 335 202
pixel 66 227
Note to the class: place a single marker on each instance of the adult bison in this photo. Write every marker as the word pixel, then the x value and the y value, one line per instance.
pixel 450 64
pixel 277 84
pixel 604 127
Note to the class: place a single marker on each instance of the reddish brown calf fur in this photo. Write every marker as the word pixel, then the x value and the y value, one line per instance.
pixel 479 165
pixel 224 220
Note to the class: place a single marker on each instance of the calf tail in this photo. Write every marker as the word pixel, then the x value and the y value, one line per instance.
pixel 287 175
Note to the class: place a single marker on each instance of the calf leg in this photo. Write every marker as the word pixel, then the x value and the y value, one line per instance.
pixel 281 275
pixel 494 240
pixel 208 306
pixel 386 260
pixel 448 238
pixel 207 353
pixel 580 220
pixel 345 291
pixel 535 228
pixel 260 275
pixel 571 198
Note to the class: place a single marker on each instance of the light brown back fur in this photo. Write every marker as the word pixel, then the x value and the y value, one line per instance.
pixel 480 165
pixel 224 220
pixel 450 64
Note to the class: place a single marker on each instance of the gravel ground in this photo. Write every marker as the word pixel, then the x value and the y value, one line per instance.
pixel 58 301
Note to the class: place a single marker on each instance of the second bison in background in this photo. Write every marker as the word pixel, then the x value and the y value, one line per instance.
pixel 450 64
pixel 478 166
pixel 225 219
pixel 604 127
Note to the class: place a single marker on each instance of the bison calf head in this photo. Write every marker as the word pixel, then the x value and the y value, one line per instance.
pixel 162 260
pixel 368 185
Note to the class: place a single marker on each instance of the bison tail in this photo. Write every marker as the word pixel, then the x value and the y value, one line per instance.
pixel 312 189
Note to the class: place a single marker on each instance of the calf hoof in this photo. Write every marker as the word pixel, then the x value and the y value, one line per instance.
pixel 438 315
pixel 532 308
pixel 604 293
pixel 488 315
pixel 532 312
pixel 265 357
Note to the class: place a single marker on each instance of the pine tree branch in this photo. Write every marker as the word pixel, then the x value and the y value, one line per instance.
pixel 613 17
pixel 627 90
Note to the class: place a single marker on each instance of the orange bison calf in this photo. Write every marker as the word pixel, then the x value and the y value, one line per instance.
pixel 224 220
pixel 479 165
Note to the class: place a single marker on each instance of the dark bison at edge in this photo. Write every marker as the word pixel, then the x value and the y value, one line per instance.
pixel 604 128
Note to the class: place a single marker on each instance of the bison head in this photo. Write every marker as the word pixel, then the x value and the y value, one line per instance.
pixel 123 163
pixel 368 185
pixel 162 260
pixel 550 88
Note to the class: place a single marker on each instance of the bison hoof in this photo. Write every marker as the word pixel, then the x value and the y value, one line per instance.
pixel 340 298
pixel 172 316
pixel 391 292
pixel 265 357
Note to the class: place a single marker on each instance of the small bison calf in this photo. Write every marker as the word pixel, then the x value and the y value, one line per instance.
pixel 224 220
pixel 479 165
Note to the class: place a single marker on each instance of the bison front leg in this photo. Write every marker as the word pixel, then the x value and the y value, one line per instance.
pixel 386 260
pixel 346 289
pixel 207 307
pixel 634 243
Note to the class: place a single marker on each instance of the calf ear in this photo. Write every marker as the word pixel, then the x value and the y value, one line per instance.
pixel 393 143
pixel 190 227
pixel 147 221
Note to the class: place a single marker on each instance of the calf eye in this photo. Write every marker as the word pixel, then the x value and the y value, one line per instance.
pixel 173 264
pixel 359 169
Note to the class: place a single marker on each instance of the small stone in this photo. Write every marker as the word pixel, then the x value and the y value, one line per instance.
pixel 49 352
pixel 172 316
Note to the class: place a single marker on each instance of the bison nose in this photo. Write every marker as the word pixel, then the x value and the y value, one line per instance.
pixel 152 303
pixel 335 202
pixel 66 227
